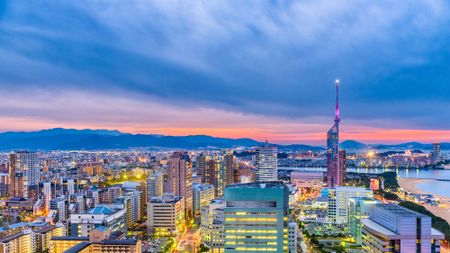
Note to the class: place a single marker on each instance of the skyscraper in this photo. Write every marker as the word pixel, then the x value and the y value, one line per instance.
pixel 24 172
pixel 436 155
pixel 266 164
pixel 230 167
pixel 180 179
pixel 335 158
pixel 256 217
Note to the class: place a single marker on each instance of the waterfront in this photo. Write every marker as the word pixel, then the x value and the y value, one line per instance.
pixel 438 184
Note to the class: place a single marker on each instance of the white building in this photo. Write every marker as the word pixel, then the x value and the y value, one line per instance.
pixel 81 224
pixel 266 164
pixel 165 214
pixel 212 225
pixel 47 190
pixel 392 228
pixel 338 199
pixel 202 196
pixel 293 235
pixel 155 185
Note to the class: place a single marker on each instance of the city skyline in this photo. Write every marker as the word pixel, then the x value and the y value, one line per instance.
pixel 259 74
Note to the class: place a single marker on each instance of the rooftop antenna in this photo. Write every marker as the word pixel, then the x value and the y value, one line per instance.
pixel 338 117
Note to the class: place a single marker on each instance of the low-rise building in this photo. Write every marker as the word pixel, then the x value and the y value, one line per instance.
pixel 395 229
pixel 101 215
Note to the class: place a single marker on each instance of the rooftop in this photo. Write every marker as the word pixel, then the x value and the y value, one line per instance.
pixel 70 238
pixel 101 209
pixel 262 185
pixel 78 247
pixel 119 242
pixel 401 211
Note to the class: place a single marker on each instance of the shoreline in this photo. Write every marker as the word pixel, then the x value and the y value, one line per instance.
pixel 443 210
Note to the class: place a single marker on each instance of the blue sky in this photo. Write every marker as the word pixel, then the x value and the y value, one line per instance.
pixel 227 68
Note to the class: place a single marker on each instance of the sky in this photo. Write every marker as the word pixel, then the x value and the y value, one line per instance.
pixel 255 68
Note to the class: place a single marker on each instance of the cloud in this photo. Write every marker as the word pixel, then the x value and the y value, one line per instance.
pixel 273 59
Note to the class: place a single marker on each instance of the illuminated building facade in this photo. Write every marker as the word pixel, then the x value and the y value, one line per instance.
pixel 180 180
pixel 335 157
pixel 395 229
pixel 256 217
pixel 165 214
pixel 338 199
pixel 202 196
pixel 266 164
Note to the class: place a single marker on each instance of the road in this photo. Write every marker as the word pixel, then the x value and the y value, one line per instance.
pixel 189 241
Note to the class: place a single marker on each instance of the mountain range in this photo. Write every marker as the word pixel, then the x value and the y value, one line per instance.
pixel 88 139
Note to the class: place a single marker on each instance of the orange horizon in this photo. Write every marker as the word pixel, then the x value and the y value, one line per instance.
pixel 365 135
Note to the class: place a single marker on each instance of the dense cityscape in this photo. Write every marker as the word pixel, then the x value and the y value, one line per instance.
pixel 224 126
pixel 254 199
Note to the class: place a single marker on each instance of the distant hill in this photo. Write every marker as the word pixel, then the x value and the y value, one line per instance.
pixel 351 144
pixel 355 145
pixel 72 139
pixel 88 139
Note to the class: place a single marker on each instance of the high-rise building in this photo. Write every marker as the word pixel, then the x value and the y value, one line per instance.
pixel 436 155
pixel 155 184
pixel 230 167
pixel 212 225
pixel 266 164
pixel 214 175
pixel 292 236
pixel 392 228
pixel 335 157
pixel 202 196
pixel 256 217
pixel 24 172
pixel 338 199
pixel 358 208
pixel 4 184
pixel 59 205
pixel 200 165
pixel 47 192
pixel 180 180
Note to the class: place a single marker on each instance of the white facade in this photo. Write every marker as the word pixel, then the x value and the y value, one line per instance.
pixel 212 225
pixel 293 235
pixel 338 199
pixel 392 228
pixel 266 164
pixel 165 214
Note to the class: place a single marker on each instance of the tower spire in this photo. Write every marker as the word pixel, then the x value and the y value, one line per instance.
pixel 338 117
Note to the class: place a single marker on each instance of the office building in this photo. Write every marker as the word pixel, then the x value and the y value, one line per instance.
pixel 256 217
pixel 212 225
pixel 202 196
pixel 180 180
pixel 292 236
pixel 338 199
pixel 392 228
pixel 335 157
pixel 266 164
pixel 155 184
pixel 358 208
pixel 82 223
pixel 165 215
